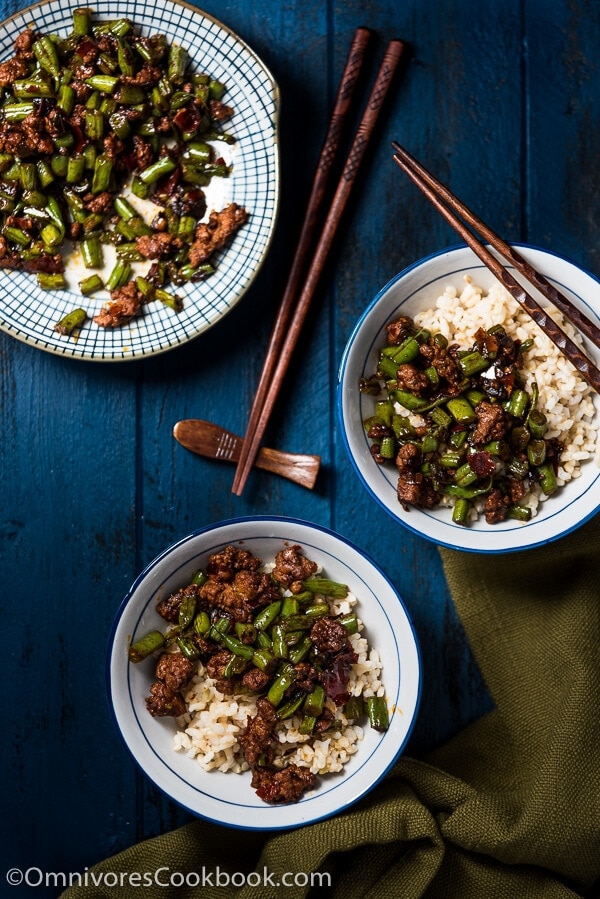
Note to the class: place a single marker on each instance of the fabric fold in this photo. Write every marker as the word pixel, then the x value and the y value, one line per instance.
pixel 507 809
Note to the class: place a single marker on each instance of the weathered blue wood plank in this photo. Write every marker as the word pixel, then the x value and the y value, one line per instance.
pixel 92 484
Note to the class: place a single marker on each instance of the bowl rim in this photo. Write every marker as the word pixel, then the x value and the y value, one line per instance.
pixel 276 520
pixel 405 272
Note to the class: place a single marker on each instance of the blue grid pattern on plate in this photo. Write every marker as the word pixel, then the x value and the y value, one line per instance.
pixel 29 314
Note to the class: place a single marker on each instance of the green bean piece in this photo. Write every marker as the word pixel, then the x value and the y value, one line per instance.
pixel 17 235
pixel 106 84
pixel 440 418
pixel 326 587
pixel 300 650
pixel 59 165
pixel 164 166
pixel 463 492
pixel 177 64
pixel 314 702
pixel 103 169
pixel 460 512
pixel 409 400
pixel 319 610
pixel 146 646
pixel 350 622
pixel 235 666
pixel 199 578
pixel 16 112
pixel 172 300
pixel 536 452
pixel 198 152
pixel 94 124
pixel 188 647
pixel 51 281
pixel 283 681
pixel 519 513
pixel 547 478
pixel 187 610
pixel 465 475
pixel 289 606
pixel 519 438
pixel 245 632
pixel 537 423
pixel 354 708
pixel 51 236
pixel 202 623
pixel 472 364
pixel 237 647
pixel 377 710
pixel 517 403
pixel 474 396
pixel 45 52
pixel 307 725
pixel 125 57
pixel 82 21
pixel 30 88
pixel 44 173
pixel 450 459
pixel 431 373
pixel 71 321
pixel 461 410
pixel 91 285
pixel 289 708
pixel 263 659
pixel 280 647
pixel 75 169
pixel 119 275
pixel 387 448
pixel 407 352
pixel 124 209
pixel 518 467
pixel 429 444
pixel 130 94
pixel 91 252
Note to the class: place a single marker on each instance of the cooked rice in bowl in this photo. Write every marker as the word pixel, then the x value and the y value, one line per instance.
pixel 564 397
pixel 208 732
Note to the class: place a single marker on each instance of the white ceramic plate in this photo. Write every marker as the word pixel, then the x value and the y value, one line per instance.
pixel 416 289
pixel 30 314
pixel 225 797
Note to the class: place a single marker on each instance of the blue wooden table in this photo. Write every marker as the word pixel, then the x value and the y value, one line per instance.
pixel 502 101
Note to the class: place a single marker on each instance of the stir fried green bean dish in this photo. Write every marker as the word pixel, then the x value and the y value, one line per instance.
pixel 286 641
pixel 459 423
pixel 89 123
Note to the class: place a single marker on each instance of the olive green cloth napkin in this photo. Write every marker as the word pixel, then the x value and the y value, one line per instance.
pixel 508 809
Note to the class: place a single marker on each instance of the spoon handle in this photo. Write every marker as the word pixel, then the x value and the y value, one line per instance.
pixel 209 439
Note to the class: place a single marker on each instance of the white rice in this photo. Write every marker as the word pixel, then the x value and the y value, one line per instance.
pixel 208 732
pixel 564 396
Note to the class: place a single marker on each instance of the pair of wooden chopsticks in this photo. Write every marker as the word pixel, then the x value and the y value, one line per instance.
pixel 450 207
pixel 301 284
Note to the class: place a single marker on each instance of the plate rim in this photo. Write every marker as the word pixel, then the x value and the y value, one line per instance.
pixel 69 349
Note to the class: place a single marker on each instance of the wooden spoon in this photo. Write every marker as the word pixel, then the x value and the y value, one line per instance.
pixel 213 441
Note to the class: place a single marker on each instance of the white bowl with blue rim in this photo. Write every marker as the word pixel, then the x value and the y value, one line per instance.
pixel 228 798
pixel 29 313
pixel 416 289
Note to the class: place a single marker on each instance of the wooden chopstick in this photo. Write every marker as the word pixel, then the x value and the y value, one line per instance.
pixel 445 202
pixel 285 337
pixel 342 105
pixel 548 290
